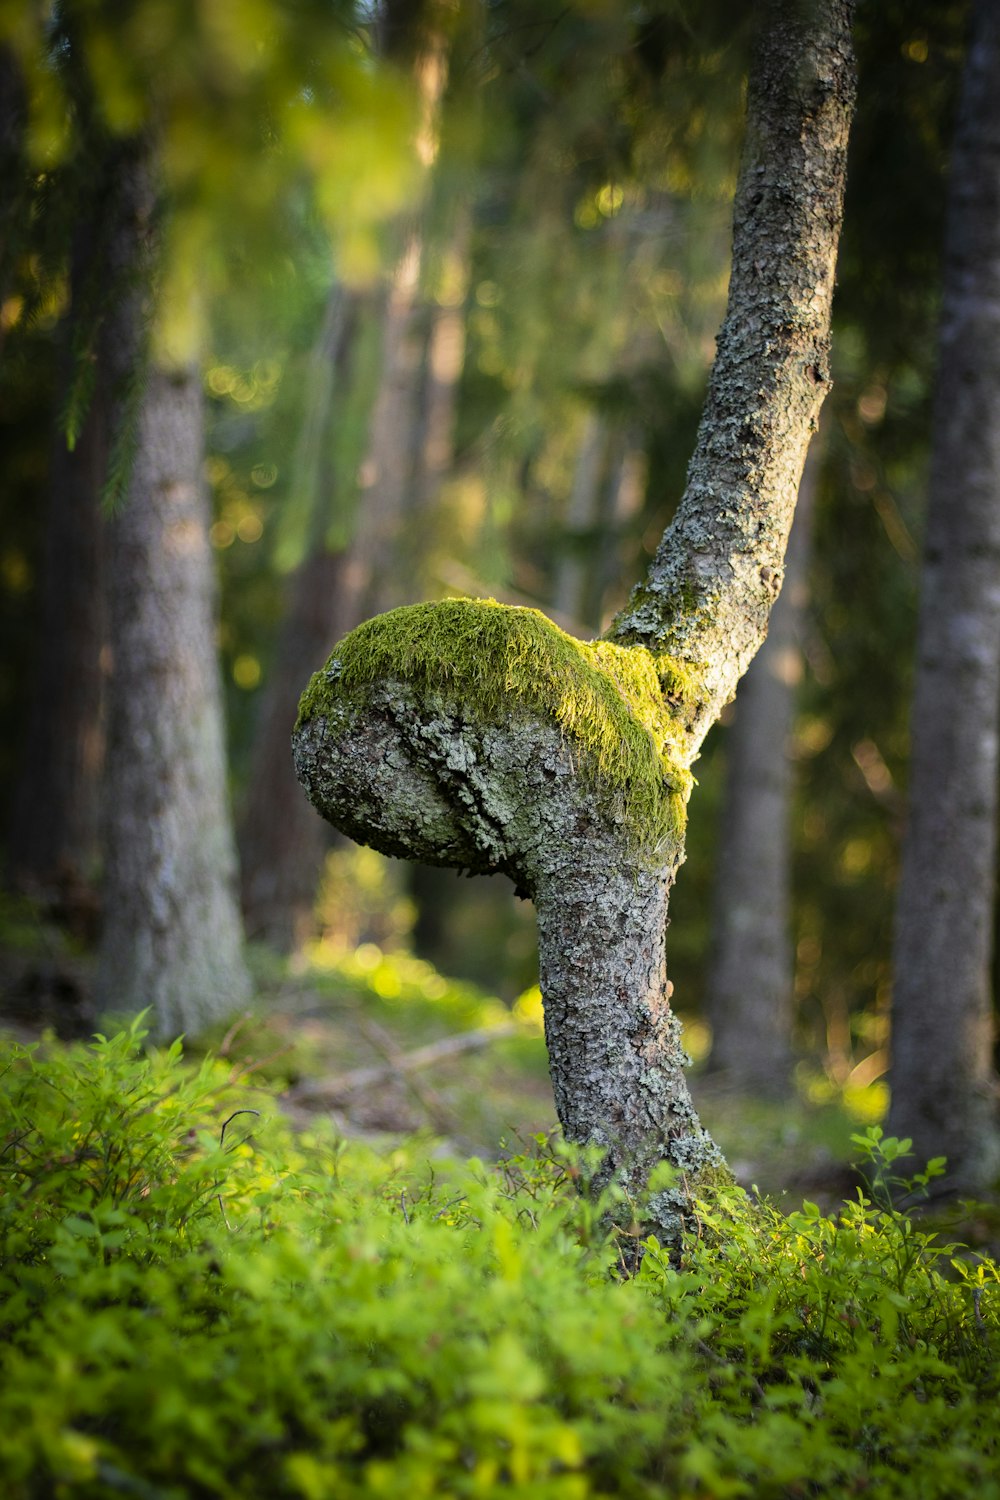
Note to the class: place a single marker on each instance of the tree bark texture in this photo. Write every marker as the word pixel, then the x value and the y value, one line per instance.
pixel 718 569
pixel 410 760
pixel 944 1088
pixel 410 776
pixel 752 969
pixel 172 938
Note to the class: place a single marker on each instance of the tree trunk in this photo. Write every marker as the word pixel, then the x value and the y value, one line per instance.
pixel 54 823
pixel 14 208
pixel 944 1089
pixel 172 937
pixel 480 736
pixel 718 569
pixel 752 971
pixel 282 841
pixel 583 514
pixel 444 360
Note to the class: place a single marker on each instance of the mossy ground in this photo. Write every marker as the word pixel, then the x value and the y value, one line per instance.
pixel 621 707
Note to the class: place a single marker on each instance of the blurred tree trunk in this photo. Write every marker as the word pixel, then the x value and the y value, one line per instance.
pixel 54 825
pixel 412 760
pixel 13 206
pixel 376 576
pixel 944 1088
pixel 444 360
pixel 282 841
pixel 571 585
pixel 172 938
pixel 752 966
pixel 608 489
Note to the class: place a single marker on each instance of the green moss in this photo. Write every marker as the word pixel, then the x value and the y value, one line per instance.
pixel 622 706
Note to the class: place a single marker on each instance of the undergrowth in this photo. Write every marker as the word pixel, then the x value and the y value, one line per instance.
pixel 196 1302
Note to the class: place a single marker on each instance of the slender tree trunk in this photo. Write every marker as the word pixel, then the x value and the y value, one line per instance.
pixel 282 840
pixel 444 360
pixel 570 586
pixel 172 937
pixel 371 582
pixel 752 971
pixel 623 501
pixel 944 1088
pixel 473 735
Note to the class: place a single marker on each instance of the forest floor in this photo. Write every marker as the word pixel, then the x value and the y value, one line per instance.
pixel 392 1050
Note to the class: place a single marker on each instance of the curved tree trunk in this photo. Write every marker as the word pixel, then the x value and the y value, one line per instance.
pixel 718 570
pixel 172 938
pixel 473 735
pixel 752 970
pixel 944 1089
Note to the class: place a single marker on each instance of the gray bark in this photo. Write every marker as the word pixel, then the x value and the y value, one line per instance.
pixel 416 774
pixel 752 971
pixel 172 937
pixel 718 569
pixel 407 775
pixel 944 1089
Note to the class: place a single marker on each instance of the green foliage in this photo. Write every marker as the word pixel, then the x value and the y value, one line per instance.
pixel 189 1311
pixel 494 659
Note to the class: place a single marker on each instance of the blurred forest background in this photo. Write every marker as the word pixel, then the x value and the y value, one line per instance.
pixel 450 275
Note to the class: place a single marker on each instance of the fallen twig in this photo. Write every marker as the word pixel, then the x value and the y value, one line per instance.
pixel 397 1062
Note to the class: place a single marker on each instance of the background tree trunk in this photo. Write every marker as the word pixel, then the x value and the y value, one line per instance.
pixel 282 840
pixel 172 938
pixel 944 1089
pixel 54 822
pixel 13 216
pixel 752 969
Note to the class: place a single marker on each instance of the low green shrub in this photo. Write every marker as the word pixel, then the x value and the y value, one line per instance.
pixel 196 1302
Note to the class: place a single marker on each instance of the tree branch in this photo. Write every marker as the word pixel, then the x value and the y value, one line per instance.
pixel 718 569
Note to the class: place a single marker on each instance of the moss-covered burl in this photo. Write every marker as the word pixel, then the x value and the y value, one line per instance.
pixel 480 736
pixel 619 709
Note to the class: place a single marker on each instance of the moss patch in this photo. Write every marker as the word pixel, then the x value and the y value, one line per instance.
pixel 621 706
